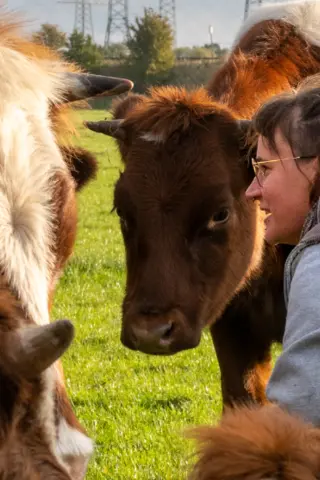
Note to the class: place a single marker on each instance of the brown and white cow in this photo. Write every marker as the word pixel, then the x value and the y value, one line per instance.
pixel 40 173
pixel 194 246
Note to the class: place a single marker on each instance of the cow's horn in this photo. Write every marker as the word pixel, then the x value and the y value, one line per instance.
pixel 81 86
pixel 29 351
pixel 112 128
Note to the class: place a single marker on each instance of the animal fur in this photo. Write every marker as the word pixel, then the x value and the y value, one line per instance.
pixel 257 443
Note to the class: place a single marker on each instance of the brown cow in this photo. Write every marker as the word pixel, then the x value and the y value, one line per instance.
pixel 40 172
pixel 194 245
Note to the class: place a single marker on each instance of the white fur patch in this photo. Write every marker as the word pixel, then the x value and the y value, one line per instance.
pixel 72 443
pixel 46 407
pixel 29 157
pixel 305 15
pixel 153 137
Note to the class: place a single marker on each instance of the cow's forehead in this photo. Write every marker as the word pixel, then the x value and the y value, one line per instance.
pixel 181 181
pixel 199 156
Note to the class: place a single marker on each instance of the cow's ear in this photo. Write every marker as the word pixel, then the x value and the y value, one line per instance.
pixel 82 164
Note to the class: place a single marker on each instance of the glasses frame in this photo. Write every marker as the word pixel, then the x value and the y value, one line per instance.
pixel 255 164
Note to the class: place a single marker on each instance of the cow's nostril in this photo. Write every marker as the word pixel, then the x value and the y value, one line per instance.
pixel 168 331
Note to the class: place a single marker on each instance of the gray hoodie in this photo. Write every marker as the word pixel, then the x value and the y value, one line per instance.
pixel 295 380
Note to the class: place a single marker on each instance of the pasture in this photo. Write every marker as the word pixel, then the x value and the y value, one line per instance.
pixel 135 407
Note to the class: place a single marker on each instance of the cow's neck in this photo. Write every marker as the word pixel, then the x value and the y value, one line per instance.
pixel 269 59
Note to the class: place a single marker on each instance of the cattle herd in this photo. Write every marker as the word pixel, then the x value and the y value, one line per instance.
pixel 195 253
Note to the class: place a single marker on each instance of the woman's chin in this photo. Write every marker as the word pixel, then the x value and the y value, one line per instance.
pixel 270 235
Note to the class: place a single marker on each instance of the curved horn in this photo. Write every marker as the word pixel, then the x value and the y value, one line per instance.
pixel 112 128
pixel 81 86
pixel 29 351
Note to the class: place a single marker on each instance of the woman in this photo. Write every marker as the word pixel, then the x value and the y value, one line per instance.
pixel 279 441
pixel 287 187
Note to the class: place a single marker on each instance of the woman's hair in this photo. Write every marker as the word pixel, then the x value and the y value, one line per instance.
pixel 296 115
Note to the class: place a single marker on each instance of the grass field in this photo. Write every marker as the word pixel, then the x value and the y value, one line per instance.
pixel 135 407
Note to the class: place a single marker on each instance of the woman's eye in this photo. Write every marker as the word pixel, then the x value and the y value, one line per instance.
pixel 264 170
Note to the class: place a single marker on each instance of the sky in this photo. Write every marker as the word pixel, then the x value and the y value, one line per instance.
pixel 193 17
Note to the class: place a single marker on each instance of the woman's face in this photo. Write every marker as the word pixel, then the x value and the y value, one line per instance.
pixel 283 191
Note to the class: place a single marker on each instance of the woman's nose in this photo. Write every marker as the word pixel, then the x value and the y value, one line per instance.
pixel 254 190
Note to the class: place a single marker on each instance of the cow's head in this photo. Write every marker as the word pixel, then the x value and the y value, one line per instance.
pixel 183 215
pixel 27 450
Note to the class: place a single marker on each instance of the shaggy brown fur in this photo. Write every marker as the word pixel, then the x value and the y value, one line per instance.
pixel 171 109
pixel 257 443
pixel 267 60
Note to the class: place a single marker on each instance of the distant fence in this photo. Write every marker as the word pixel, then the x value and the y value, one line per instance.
pixel 188 72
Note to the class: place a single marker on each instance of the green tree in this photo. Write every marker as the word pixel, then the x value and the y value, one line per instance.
pixel 219 52
pixel 151 47
pixel 83 51
pixel 117 51
pixel 51 36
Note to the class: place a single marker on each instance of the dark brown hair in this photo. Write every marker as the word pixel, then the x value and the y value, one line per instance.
pixel 297 116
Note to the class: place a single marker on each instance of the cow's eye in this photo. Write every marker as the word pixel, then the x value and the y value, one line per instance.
pixel 218 218
pixel 221 216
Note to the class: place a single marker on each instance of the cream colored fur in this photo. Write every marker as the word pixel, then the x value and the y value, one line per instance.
pixel 153 138
pixel 29 157
pixel 73 443
pixel 305 15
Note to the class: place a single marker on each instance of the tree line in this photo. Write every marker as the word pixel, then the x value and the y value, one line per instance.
pixel 148 57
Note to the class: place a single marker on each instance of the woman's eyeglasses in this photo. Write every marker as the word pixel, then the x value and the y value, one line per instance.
pixel 261 172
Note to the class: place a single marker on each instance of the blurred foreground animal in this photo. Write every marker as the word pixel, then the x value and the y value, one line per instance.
pixel 257 443
pixel 40 173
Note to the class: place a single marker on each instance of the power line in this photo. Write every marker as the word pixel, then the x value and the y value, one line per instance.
pixel 248 4
pixel 83 15
pixel 118 20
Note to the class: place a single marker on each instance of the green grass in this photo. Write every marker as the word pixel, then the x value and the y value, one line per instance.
pixel 135 407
